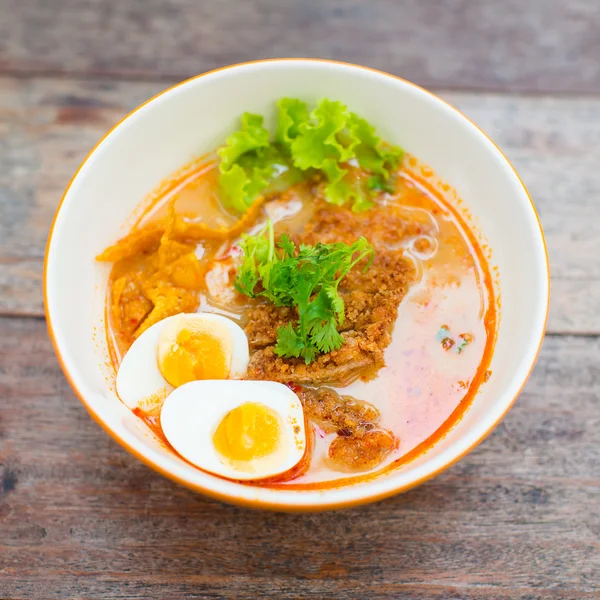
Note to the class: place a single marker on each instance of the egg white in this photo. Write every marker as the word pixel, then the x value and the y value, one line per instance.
pixel 191 414
pixel 140 383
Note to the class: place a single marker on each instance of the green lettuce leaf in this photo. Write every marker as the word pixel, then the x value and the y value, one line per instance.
pixel 377 183
pixel 324 137
pixel 292 113
pixel 328 139
pixel 251 136
pixel 371 153
pixel 249 163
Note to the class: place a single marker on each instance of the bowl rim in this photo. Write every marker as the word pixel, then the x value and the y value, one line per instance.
pixel 257 503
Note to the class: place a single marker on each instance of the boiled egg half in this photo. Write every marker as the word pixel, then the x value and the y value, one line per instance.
pixel 236 429
pixel 178 350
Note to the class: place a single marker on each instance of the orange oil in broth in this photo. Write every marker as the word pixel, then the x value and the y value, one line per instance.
pixel 424 389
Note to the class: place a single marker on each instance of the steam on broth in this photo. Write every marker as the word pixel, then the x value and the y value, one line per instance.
pixel 356 283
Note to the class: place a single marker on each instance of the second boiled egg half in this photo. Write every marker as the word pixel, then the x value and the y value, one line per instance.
pixel 178 350
pixel 236 429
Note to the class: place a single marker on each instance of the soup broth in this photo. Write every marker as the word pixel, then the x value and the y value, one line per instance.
pixel 302 309
pixel 434 288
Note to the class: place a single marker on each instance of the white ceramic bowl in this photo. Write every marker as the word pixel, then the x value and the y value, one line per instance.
pixel 194 117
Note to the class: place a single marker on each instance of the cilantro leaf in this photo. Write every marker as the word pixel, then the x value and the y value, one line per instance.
pixel 257 254
pixel 306 278
pixel 286 244
pixel 336 302
pixel 325 336
pixel 289 342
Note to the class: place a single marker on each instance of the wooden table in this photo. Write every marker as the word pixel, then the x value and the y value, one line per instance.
pixel 517 518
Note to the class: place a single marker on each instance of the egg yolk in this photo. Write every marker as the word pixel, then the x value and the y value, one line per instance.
pixel 248 432
pixel 195 355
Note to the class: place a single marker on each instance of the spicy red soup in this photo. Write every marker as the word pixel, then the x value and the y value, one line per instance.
pixel 402 326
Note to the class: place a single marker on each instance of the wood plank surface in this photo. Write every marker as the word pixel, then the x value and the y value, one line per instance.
pixel 47 126
pixel 538 45
pixel 517 518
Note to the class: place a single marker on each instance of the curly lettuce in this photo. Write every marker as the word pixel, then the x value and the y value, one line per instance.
pixel 327 140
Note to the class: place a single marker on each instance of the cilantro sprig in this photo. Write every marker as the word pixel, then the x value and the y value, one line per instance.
pixel 325 140
pixel 306 277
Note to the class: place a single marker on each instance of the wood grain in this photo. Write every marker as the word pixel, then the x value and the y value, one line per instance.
pixel 518 518
pixel 539 45
pixel 47 126
pixel 79 518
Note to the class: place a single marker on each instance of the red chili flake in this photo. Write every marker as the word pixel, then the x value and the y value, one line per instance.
pixel 447 343
pixel 466 338
pixel 294 387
